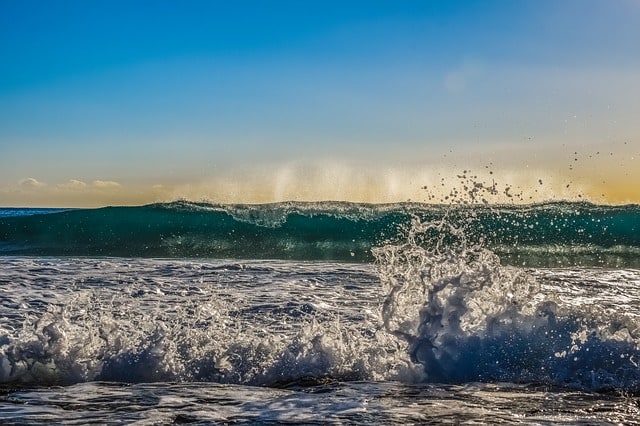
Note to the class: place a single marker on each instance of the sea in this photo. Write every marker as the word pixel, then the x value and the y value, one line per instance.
pixel 321 313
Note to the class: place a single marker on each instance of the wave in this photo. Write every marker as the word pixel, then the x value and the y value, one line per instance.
pixel 438 315
pixel 552 234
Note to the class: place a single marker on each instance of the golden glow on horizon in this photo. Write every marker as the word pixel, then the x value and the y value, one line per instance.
pixel 344 182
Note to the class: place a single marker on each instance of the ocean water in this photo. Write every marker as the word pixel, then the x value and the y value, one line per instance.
pixel 320 313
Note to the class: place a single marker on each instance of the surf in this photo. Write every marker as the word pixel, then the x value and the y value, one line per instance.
pixel 437 306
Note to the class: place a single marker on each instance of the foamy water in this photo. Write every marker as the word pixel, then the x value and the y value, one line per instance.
pixel 437 329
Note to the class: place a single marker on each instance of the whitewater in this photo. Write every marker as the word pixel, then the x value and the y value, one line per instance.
pixel 320 313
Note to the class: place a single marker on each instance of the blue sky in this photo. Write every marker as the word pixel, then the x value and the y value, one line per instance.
pixel 127 102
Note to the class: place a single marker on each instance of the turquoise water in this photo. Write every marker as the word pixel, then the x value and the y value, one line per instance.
pixel 554 234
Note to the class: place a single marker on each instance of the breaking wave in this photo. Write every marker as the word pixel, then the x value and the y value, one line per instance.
pixel 553 234
pixel 440 308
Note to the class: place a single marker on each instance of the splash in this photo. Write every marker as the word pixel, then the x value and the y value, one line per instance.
pixel 465 317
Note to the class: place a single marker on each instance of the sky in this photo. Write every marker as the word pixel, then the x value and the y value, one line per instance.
pixel 134 102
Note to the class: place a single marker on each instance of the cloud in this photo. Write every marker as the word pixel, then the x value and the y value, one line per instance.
pixel 73 184
pixel 78 185
pixel 105 184
pixel 31 183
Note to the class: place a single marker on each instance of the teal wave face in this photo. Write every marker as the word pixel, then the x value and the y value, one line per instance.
pixel 555 234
